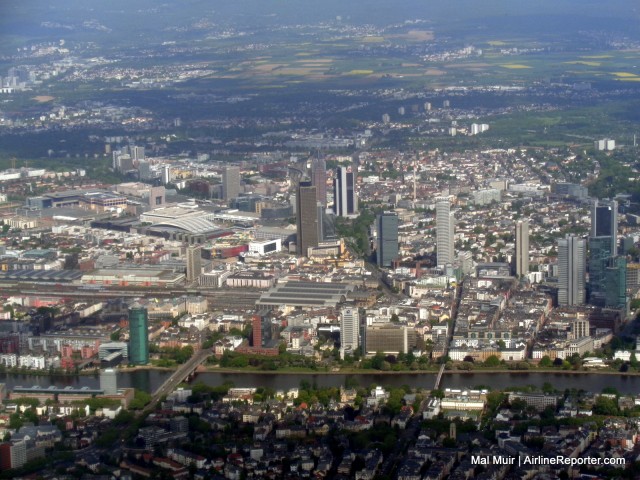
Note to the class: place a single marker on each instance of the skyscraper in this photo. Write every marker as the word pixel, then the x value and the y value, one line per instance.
pixel 607 270
pixel 599 258
pixel 144 170
pixel 349 328
pixel 256 331
pixel 616 275
pixel 604 221
pixel 137 153
pixel 194 262
pixel 387 233
pixel 445 222
pixel 571 270
pixel 166 174
pixel 345 201
pixel 138 336
pixel 306 218
pixel 319 179
pixel 230 182
pixel 522 248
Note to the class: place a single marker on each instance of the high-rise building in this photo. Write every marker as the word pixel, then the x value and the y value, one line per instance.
pixel 138 336
pixel 387 238
pixel 144 170
pixel 604 221
pixel 599 259
pixel 306 218
pixel 445 224
pixel 607 270
pixel 522 248
pixel 256 332
pixel 194 262
pixel 166 174
pixel 109 381
pixel 349 328
pixel 616 275
pixel 230 182
pixel 345 200
pixel 13 454
pixel 319 179
pixel 571 270
pixel 137 153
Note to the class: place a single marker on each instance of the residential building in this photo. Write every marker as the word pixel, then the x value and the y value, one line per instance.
pixel 194 262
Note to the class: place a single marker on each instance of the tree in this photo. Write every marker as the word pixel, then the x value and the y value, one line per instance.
pixel 140 399
pixel 492 361
pixel 605 406
pixel 547 388
pixel 437 393
pixel 546 362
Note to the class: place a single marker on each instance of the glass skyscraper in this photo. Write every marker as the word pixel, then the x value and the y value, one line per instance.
pixel 138 336
pixel 571 270
pixel 387 233
pixel 307 219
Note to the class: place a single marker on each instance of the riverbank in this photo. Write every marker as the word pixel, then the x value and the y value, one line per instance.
pixel 488 371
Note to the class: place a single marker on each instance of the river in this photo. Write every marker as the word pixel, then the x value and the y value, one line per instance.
pixel 149 380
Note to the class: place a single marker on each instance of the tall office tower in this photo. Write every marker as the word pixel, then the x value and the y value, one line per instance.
pixel 345 201
pixel 349 328
pixel 230 183
pixel 166 174
pixel 321 223
pixel 571 270
pixel 138 336
pixel 387 233
pixel 109 381
pixel 194 262
pixel 599 259
pixel 137 153
pixel 616 291
pixel 522 248
pixel 306 218
pixel 319 179
pixel 256 331
pixel 604 221
pixel 144 170
pixel 445 222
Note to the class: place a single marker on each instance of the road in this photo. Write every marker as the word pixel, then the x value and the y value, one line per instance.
pixel 177 377
pixel 413 428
